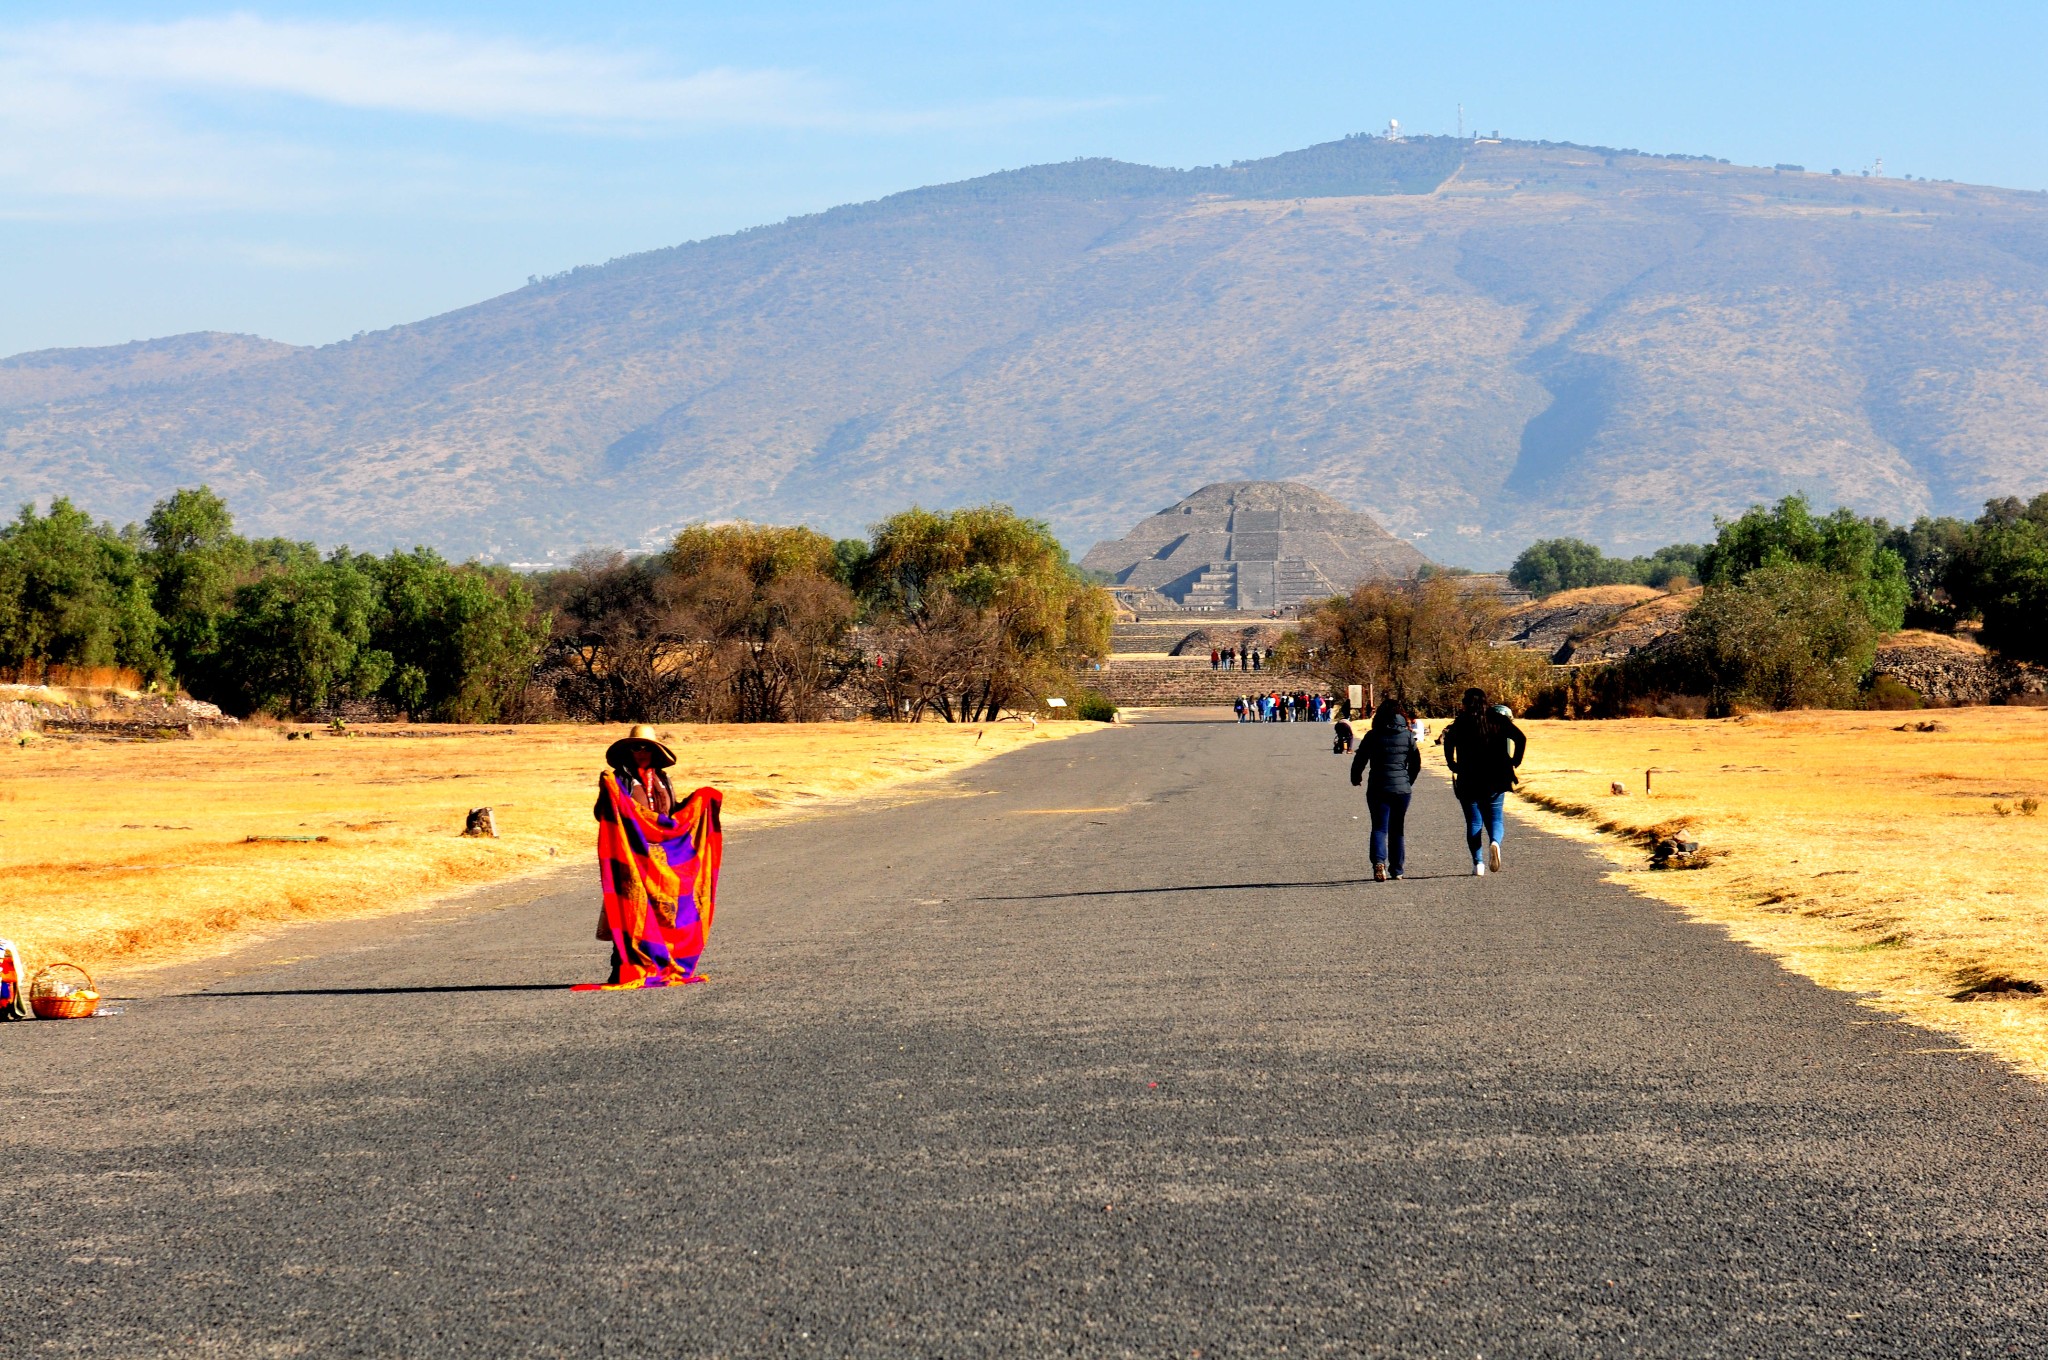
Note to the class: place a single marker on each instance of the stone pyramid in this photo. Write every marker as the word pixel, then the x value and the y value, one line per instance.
pixel 1252 546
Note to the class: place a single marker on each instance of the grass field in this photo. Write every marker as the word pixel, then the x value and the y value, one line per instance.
pixel 1902 865
pixel 135 853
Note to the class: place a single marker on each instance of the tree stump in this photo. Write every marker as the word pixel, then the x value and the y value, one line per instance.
pixel 481 823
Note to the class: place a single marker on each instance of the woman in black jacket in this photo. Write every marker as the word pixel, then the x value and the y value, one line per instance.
pixel 1483 747
pixel 1389 752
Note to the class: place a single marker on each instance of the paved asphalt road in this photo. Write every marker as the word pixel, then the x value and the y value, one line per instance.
pixel 1116 1051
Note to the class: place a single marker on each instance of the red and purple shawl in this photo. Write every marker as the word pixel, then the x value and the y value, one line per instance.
pixel 660 877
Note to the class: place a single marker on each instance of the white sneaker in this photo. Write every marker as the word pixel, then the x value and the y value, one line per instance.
pixel 1479 868
pixel 1493 856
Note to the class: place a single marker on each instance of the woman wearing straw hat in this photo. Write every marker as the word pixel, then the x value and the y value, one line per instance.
pixel 640 761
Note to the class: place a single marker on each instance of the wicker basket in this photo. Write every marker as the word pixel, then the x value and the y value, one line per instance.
pixel 56 995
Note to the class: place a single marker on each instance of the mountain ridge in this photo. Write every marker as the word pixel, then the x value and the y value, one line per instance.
pixel 1476 344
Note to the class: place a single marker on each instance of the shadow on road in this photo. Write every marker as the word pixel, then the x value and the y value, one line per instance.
pixel 388 991
pixel 1202 887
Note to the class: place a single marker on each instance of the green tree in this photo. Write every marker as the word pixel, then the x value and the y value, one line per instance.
pixel 770 614
pixel 1786 635
pixel 1422 644
pixel 1674 565
pixel 1555 564
pixel 195 560
pixel 298 638
pixel 1931 550
pixel 1789 533
pixel 976 610
pixel 848 556
pixel 462 641
pixel 2000 574
pixel 74 593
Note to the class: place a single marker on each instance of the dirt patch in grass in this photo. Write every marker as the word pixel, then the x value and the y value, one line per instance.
pixel 138 853
pixel 1898 864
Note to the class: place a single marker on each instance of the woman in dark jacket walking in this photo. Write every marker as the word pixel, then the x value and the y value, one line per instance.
pixel 1483 747
pixel 1389 753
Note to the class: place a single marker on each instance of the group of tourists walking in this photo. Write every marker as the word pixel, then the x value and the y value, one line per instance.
pixel 1482 747
pixel 1300 706
pixel 1242 657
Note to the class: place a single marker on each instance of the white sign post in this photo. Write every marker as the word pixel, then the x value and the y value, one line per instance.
pixel 1055 703
pixel 1357 698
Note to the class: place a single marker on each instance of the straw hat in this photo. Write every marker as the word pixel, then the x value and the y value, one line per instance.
pixel 619 754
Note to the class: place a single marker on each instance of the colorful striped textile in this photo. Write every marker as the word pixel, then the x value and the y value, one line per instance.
pixel 13 995
pixel 660 877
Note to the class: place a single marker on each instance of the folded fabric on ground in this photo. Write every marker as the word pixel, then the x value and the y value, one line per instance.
pixel 660 877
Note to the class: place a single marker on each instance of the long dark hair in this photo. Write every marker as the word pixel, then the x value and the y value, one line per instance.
pixel 1388 716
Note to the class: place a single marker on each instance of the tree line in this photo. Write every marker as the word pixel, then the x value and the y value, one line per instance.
pixel 1791 609
pixel 962 615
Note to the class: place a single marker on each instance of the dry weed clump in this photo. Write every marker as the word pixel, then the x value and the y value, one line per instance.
pixel 140 852
pixel 1879 859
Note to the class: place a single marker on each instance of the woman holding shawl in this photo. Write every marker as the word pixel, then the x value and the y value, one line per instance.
pixel 658 862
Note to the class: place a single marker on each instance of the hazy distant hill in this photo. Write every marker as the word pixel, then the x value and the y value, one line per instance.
pixel 1477 344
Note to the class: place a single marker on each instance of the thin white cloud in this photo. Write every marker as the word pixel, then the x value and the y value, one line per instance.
pixel 158 113
pixel 403 69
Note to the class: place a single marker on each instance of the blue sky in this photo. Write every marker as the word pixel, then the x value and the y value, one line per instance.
pixel 306 171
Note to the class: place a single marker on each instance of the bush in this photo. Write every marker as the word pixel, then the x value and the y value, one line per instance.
pixel 1787 636
pixel 1889 692
pixel 1091 705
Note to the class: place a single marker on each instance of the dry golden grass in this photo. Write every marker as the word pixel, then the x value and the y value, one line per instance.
pixel 1919 639
pixel 138 853
pixel 1601 595
pixel 1902 865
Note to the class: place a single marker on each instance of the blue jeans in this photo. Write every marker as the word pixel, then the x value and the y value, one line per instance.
pixel 1484 817
pixel 1389 828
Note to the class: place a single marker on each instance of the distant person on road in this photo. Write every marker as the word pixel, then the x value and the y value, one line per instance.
pixel 1341 736
pixel 1388 762
pixel 1483 748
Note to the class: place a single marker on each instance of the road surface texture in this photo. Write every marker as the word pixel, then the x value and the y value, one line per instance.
pixel 1113 1049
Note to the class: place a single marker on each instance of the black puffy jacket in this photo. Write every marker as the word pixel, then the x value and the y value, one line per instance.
pixel 1392 756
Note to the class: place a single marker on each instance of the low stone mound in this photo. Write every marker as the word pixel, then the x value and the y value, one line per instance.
pixel 57 711
pixel 1956 670
pixel 1598 623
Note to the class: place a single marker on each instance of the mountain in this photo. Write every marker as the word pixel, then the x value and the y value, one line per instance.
pixel 1475 343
